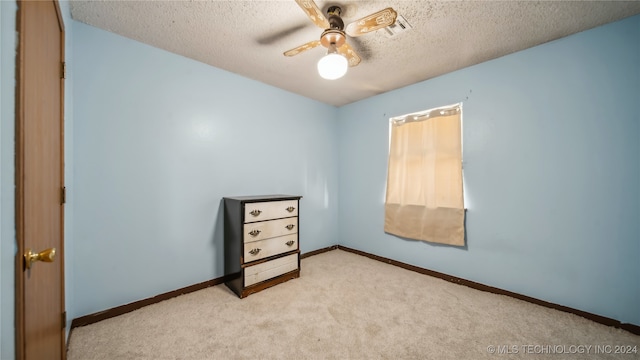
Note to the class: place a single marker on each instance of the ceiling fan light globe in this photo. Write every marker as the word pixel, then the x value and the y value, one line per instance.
pixel 333 66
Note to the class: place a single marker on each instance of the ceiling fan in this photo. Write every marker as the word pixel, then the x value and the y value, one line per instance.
pixel 340 54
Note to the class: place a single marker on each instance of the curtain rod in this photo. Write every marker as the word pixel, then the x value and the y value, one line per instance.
pixel 427 114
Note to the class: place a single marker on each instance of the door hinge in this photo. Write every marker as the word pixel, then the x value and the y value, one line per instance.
pixel 64 319
pixel 64 195
pixel 64 70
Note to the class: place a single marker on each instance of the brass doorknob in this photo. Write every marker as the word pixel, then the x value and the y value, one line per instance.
pixel 45 255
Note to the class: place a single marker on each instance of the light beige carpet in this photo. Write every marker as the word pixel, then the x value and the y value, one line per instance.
pixel 346 306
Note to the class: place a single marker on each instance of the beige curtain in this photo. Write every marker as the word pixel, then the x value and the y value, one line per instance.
pixel 424 185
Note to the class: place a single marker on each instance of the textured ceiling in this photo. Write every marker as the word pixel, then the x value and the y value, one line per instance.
pixel 249 37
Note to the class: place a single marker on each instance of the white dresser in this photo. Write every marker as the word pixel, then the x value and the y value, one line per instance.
pixel 260 241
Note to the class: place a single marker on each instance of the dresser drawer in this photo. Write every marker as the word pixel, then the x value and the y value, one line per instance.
pixel 269 229
pixel 262 211
pixel 261 249
pixel 267 270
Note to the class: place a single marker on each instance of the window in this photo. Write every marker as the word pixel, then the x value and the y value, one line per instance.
pixel 424 199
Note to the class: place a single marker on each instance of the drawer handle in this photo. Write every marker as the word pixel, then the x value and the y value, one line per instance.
pixel 290 209
pixel 255 212
pixel 254 251
pixel 290 226
pixel 290 242
pixel 254 232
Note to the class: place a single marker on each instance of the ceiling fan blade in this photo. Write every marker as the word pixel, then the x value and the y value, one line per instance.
pixel 373 22
pixel 350 54
pixel 314 13
pixel 301 48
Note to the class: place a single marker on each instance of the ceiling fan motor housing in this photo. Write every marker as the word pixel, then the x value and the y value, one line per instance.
pixel 332 37
pixel 335 34
pixel 335 21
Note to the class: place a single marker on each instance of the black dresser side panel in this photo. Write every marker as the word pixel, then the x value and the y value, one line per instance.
pixel 232 242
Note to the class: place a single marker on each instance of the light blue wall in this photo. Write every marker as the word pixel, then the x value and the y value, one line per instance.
pixel 8 46
pixel 158 141
pixel 552 171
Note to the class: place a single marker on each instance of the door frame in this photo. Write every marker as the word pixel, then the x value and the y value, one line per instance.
pixel 20 335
